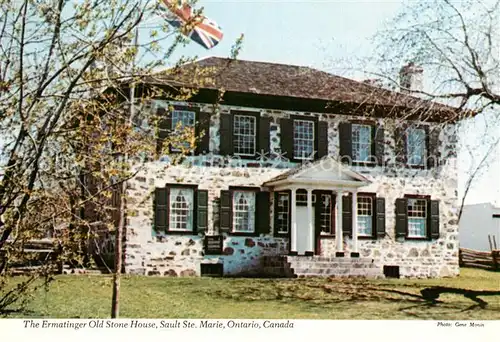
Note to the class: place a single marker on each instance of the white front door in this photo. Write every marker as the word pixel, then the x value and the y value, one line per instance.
pixel 303 231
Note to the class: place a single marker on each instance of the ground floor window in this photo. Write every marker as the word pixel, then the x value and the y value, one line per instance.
pixel 365 216
pixel 181 209
pixel 243 211
pixel 282 213
pixel 326 213
pixel 417 218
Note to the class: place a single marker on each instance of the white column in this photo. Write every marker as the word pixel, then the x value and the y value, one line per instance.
pixel 339 238
pixel 355 221
pixel 310 220
pixel 293 245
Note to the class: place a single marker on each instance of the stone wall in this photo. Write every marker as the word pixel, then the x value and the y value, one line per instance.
pixel 150 253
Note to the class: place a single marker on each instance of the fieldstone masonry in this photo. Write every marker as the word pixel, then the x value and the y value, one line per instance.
pixel 150 253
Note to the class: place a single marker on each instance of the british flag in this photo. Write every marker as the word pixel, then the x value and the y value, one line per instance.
pixel 206 32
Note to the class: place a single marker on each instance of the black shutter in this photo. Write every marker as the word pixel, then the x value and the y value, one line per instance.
pixel 203 127
pixel 432 142
pixel 201 210
pixel 161 202
pixel 322 141
pixel 226 135
pixel 347 215
pixel 263 135
pixel 380 216
pixel 379 142
pixel 401 217
pixel 262 213
pixel 163 129
pixel 286 138
pixel 225 211
pixel 434 219
pixel 400 144
pixel 345 142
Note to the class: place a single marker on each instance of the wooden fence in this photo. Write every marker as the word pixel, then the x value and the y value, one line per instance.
pixel 478 259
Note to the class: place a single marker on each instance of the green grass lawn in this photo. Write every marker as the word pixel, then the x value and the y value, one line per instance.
pixel 81 296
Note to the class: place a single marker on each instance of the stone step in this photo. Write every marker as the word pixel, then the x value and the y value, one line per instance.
pixel 329 259
pixel 326 272
pixel 310 264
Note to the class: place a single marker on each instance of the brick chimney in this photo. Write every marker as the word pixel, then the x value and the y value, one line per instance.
pixel 411 78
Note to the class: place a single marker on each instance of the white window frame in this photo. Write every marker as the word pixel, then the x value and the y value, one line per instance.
pixel 183 125
pixel 187 214
pixel 326 215
pixel 283 210
pixel 301 198
pixel 411 149
pixel 359 145
pixel 301 139
pixel 250 197
pixel 235 135
pixel 414 220
pixel 365 214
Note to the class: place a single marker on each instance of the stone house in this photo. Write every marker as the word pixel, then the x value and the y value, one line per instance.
pixel 300 173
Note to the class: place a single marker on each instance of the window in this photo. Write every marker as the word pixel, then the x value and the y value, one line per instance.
pixel 243 211
pixel 244 132
pixel 181 209
pixel 415 146
pixel 301 197
pixel 283 213
pixel 181 120
pixel 365 216
pixel 303 139
pixel 326 214
pixel 417 218
pixel 361 143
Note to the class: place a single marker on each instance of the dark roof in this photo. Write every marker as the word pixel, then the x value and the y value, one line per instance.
pixel 286 80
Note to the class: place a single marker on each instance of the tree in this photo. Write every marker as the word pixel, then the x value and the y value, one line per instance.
pixel 457 45
pixel 67 121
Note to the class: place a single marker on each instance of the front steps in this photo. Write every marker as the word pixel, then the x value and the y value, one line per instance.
pixel 318 266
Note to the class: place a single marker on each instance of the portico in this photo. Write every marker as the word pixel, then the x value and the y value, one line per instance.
pixel 324 176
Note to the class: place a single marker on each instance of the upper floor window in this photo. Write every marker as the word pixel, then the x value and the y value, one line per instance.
pixel 361 142
pixel 244 133
pixel 182 120
pixel 417 218
pixel 303 139
pixel 243 211
pixel 415 146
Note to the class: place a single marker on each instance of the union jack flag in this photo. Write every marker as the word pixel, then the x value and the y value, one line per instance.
pixel 206 32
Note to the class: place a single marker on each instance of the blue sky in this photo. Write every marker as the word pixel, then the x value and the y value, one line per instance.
pixel 325 35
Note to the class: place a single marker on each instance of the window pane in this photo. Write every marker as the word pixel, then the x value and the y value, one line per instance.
pixel 326 214
pixel 181 120
pixel 417 218
pixel 244 134
pixel 244 211
pixel 415 145
pixel 361 142
pixel 181 209
pixel 303 139
pixel 283 212
pixel 365 215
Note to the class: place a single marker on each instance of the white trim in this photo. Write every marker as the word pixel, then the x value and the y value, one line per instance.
pixel 287 184
pixel 354 209
pixel 254 135
pixel 339 235
pixel 293 246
